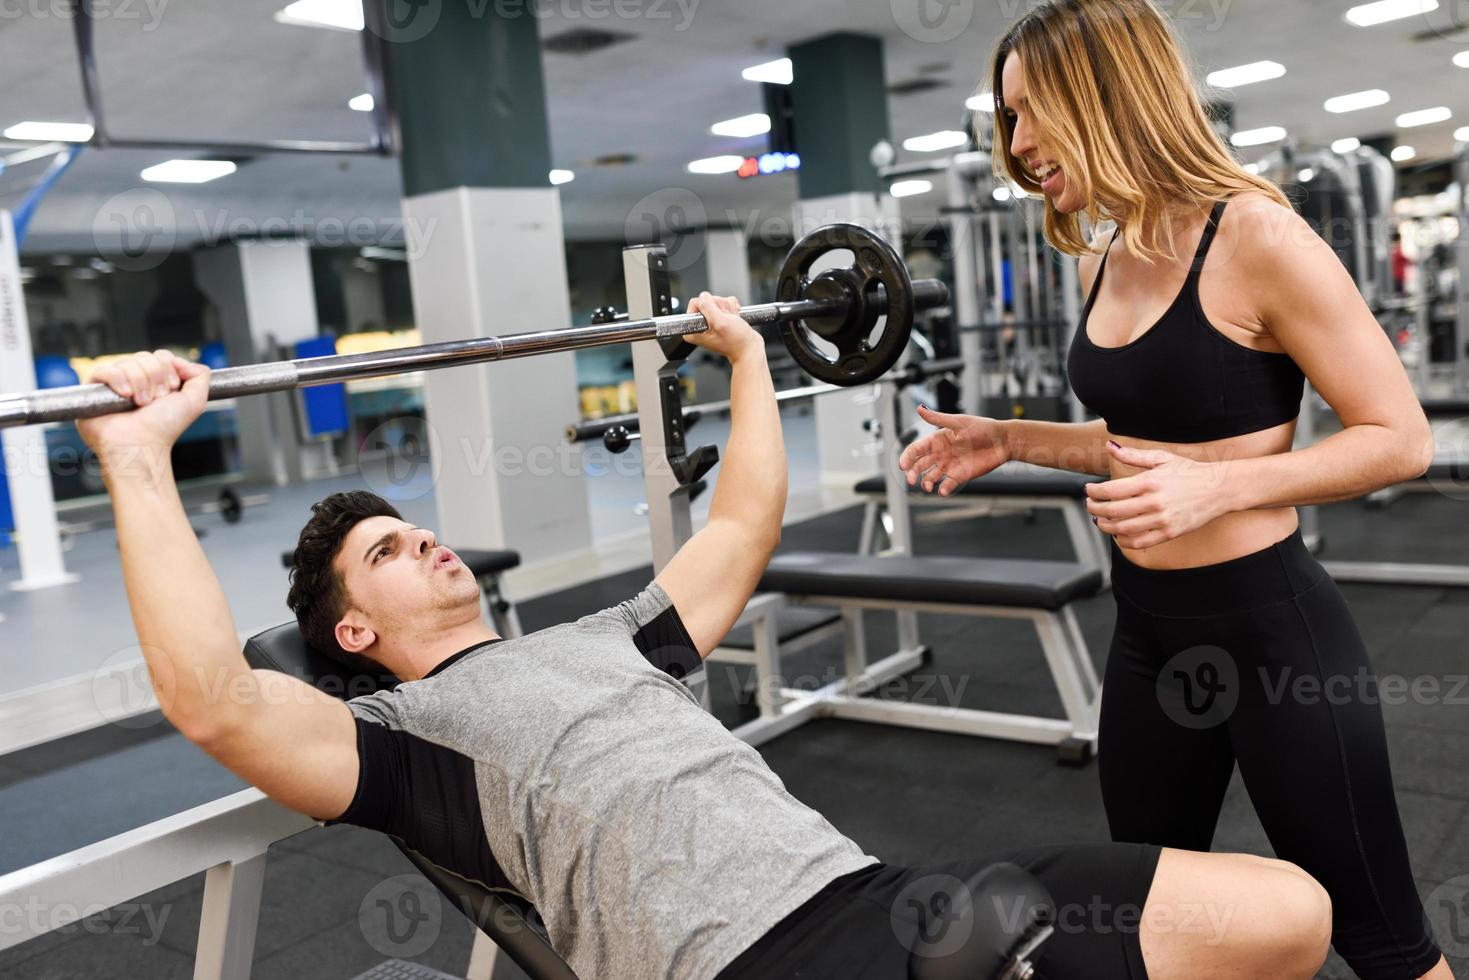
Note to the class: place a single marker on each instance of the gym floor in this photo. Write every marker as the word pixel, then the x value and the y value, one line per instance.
pixel 905 796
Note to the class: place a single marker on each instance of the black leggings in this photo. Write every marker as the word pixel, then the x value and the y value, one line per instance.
pixel 1257 660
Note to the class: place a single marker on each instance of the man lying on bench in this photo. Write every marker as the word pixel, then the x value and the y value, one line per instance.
pixel 573 765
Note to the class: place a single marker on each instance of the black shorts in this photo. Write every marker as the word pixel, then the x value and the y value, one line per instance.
pixel 846 929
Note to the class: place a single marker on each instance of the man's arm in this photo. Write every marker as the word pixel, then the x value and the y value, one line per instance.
pixel 715 572
pixel 295 743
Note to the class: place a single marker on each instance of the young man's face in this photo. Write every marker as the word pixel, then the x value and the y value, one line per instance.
pixel 401 584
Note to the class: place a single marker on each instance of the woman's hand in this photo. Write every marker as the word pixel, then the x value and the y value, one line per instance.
pixel 964 447
pixel 1172 496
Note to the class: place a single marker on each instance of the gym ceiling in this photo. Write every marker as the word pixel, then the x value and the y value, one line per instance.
pixel 227 70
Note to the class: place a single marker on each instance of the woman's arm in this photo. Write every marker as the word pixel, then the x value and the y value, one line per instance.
pixel 1311 306
pixel 1077 446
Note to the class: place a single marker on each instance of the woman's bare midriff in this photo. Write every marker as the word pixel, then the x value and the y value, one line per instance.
pixel 1235 534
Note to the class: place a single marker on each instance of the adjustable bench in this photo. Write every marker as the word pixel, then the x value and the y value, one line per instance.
pixel 1019 488
pixel 1040 591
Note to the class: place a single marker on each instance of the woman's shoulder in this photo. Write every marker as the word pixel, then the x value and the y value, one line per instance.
pixel 1256 211
pixel 1259 230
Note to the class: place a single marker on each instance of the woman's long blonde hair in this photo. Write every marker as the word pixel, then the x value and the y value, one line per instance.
pixel 1109 85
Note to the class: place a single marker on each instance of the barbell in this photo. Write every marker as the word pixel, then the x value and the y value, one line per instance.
pixel 840 306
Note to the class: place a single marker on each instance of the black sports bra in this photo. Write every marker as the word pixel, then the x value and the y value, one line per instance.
pixel 1183 381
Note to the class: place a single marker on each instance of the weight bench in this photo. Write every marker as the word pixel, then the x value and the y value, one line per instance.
pixel 486 567
pixel 1041 591
pixel 1018 488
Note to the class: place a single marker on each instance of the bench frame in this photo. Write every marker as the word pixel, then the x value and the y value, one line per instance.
pixel 783 709
pixel 1089 544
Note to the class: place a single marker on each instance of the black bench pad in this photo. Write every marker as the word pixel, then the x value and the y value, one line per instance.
pixel 482 563
pixel 937 578
pixel 1058 483
pixel 1437 408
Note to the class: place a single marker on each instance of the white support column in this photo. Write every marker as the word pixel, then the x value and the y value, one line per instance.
pixel 265 295
pixel 26 467
pixel 489 261
pixel 844 447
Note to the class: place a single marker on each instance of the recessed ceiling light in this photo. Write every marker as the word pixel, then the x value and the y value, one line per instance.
pixel 983 102
pixel 50 132
pixel 1255 137
pixel 562 177
pixel 1358 100
pixel 1252 168
pixel 1306 175
pixel 742 126
pixel 1462 59
pixel 188 171
pixel 341 15
pixel 362 103
pixel 1372 14
pixel 943 140
pixel 1462 134
pixel 907 188
pixel 1346 145
pixel 716 165
pixel 1258 71
pixel 1425 117
pixel 1402 154
pixel 777 72
pixel 1001 194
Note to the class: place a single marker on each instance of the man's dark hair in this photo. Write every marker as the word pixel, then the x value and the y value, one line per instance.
pixel 318 595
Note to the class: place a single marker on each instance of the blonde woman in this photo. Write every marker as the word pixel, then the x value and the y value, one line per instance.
pixel 1207 308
